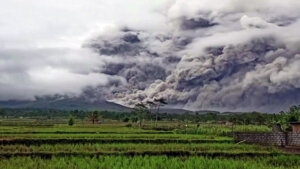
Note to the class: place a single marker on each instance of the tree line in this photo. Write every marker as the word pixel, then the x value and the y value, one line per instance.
pixel 142 112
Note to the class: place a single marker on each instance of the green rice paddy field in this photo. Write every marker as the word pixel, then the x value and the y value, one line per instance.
pixel 119 145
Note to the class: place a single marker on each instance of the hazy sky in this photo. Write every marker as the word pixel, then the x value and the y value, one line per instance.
pixel 198 54
pixel 66 23
pixel 40 42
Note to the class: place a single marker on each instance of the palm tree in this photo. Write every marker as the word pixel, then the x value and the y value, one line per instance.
pixel 151 105
pixel 141 110
pixel 159 102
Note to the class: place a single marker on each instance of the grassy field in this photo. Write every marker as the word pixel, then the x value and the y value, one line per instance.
pixel 120 145
pixel 150 162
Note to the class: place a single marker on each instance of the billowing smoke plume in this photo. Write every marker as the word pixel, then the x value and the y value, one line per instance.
pixel 198 54
pixel 221 54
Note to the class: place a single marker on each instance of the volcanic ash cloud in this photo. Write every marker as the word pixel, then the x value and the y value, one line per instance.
pixel 230 56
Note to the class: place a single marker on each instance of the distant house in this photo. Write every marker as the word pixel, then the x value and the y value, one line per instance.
pixel 295 127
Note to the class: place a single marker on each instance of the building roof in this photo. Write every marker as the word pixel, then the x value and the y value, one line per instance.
pixel 295 122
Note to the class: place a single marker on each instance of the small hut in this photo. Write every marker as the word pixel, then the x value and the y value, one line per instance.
pixel 295 127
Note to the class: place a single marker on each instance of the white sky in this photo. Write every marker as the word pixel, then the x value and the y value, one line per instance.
pixel 40 42
pixel 65 23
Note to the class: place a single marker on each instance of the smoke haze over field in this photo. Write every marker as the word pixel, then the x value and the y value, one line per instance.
pixel 236 55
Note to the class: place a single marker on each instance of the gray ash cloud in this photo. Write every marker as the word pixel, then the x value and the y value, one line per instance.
pixel 195 23
pixel 134 57
pixel 215 58
pixel 228 55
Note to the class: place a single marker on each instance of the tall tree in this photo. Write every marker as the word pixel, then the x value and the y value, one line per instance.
pixel 141 110
pixel 94 116
pixel 151 106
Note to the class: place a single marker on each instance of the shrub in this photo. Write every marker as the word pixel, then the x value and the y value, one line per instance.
pixel 71 121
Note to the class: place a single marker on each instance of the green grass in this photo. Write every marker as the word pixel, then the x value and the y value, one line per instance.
pixel 140 148
pixel 151 162
pixel 116 128
pixel 113 136
pixel 204 131
pixel 221 130
pixel 121 128
pixel 114 145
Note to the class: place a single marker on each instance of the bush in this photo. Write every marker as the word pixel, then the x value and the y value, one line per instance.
pixel 126 119
pixel 71 121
